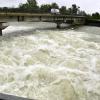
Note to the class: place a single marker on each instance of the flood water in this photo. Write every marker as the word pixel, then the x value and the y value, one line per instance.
pixel 38 61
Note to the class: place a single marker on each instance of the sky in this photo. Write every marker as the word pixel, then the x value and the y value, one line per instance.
pixel 90 6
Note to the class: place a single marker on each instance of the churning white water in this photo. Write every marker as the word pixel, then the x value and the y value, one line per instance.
pixel 51 64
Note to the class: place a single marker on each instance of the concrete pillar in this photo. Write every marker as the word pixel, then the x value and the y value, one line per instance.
pixel 18 18
pixel 0 32
pixel 58 25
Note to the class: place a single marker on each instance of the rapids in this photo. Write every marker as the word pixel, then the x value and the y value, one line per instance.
pixel 50 64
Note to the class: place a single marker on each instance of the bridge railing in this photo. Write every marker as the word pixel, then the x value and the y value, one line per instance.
pixel 42 15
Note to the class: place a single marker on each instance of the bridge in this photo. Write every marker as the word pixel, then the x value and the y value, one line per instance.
pixel 54 18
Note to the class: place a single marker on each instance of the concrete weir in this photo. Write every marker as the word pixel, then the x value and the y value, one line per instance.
pixel 11 97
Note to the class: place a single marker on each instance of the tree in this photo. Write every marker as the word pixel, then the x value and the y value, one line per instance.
pixel 23 6
pixel 45 8
pixel 74 9
pixel 82 13
pixel 55 5
pixel 30 6
pixel 33 2
pixel 69 11
pixel 5 9
pixel 63 10
pixel 96 15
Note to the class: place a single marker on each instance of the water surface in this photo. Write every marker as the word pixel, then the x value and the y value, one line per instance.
pixel 50 64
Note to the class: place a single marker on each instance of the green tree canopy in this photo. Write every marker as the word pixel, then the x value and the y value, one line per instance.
pixel 74 9
pixel 33 2
pixel 63 10
pixel 54 5
pixel 96 15
pixel 45 8
pixel 30 5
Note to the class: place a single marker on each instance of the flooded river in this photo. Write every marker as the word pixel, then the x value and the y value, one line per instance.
pixel 40 62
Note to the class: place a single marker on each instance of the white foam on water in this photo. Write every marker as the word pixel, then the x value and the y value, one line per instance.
pixel 50 65
pixel 10 29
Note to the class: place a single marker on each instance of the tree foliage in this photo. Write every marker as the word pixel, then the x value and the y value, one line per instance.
pixel 31 6
pixel 96 15
pixel 63 10
pixel 55 5
pixel 45 8
pixel 74 9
